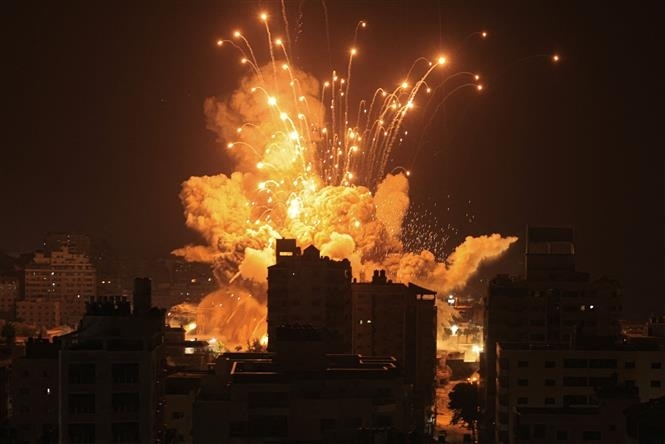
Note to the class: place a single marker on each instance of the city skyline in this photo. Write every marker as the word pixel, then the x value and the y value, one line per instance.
pixel 108 122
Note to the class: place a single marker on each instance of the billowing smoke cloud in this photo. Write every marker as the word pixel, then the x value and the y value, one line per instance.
pixel 272 126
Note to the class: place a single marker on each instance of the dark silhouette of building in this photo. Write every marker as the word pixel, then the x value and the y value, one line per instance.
pixel 308 289
pixel 112 371
pixel 552 304
pixel 300 394
pixel 394 319
pixel 34 390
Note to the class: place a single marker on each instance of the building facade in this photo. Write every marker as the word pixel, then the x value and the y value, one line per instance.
pixel 64 276
pixel 111 373
pixel 394 319
pixel 308 289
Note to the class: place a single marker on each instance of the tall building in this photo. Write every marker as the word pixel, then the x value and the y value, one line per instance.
pixel 63 276
pixel 310 290
pixel 394 319
pixel 112 371
pixel 552 306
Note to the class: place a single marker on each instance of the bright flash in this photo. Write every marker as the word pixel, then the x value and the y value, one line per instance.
pixel 272 101
pixel 477 77
pixel 479 87
pixel 363 24
pixel 483 34
pixel 353 51
pixel 295 206
pixel 405 84
pixel 278 42
pixel 283 115
pixel 236 34
pixel 555 58
pixel 441 61
pixel 191 326
pixel 220 42
pixel 264 16
pixel 264 340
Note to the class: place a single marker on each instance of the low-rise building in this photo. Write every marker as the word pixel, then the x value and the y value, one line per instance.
pixel 299 394
pixel 564 376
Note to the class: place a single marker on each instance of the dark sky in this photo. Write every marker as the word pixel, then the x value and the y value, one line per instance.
pixel 103 118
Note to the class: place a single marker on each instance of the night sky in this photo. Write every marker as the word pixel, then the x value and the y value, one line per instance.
pixel 103 118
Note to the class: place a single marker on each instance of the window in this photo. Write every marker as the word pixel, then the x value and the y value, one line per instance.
pixel 550 382
pixel 125 373
pixel 550 364
pixel 655 383
pixel 81 403
pixel 125 432
pixel 81 373
pixel 522 400
pixel 603 363
pixel 523 382
pixel 629 364
pixel 125 402
pixel 574 400
pixel 549 401
pixel 522 364
pixel 574 381
pixel 591 435
pixel 81 433
pixel 656 365
pixel 575 363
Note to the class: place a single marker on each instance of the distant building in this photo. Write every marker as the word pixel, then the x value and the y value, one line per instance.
pixel 299 394
pixel 393 319
pixel 64 276
pixel 552 304
pixel 76 243
pixel 40 312
pixel 34 392
pixel 307 289
pixel 112 372
pixel 9 294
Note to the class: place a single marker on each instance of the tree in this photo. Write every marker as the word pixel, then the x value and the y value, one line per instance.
pixel 463 401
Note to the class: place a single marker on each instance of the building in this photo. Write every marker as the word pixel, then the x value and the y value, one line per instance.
pixel 310 290
pixel 63 276
pixel 40 312
pixel 603 422
pixel 180 394
pixel 552 303
pixel 559 378
pixel 299 394
pixel 34 392
pixel 9 293
pixel 74 242
pixel 394 319
pixel 112 371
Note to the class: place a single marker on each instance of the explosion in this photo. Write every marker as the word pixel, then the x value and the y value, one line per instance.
pixel 310 164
